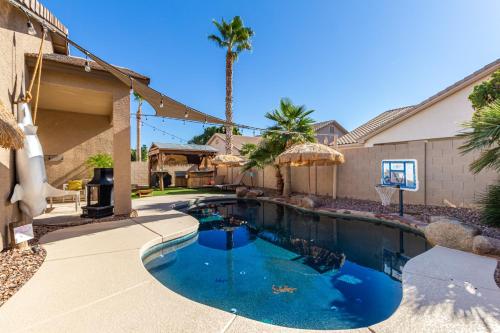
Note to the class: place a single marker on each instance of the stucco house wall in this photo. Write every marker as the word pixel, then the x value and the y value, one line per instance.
pixel 14 43
pixel 69 139
pixel 442 119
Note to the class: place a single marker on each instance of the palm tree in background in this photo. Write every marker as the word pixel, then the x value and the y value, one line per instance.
pixel 138 98
pixel 235 38
pixel 292 125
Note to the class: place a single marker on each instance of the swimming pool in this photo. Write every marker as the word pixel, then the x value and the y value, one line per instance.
pixel 281 266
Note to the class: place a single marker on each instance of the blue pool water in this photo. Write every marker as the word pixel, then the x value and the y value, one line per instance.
pixel 280 266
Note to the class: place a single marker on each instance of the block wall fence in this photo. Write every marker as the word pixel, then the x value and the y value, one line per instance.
pixel 443 174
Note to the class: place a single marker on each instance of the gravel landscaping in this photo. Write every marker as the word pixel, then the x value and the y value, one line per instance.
pixel 421 212
pixel 16 268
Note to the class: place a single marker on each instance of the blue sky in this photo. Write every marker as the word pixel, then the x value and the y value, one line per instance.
pixel 348 60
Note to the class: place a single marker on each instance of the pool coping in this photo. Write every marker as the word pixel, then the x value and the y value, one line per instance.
pixel 115 293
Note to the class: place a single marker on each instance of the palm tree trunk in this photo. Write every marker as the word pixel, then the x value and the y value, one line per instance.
pixel 229 102
pixel 138 151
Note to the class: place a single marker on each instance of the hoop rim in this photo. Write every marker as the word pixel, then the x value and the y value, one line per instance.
pixel 393 186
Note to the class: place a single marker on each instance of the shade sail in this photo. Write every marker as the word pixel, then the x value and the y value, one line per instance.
pixel 310 153
pixel 171 108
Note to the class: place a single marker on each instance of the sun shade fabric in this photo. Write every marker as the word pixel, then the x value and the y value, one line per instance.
pixel 171 108
pixel 309 154
pixel 227 160
pixel 11 136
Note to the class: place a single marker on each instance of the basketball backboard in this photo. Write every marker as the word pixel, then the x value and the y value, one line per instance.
pixel 402 172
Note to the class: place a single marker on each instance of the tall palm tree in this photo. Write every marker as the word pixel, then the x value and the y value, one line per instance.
pixel 292 125
pixel 235 38
pixel 138 152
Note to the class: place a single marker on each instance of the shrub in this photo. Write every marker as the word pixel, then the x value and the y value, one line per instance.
pixel 102 160
pixel 490 204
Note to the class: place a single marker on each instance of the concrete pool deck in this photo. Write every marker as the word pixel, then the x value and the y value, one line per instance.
pixel 93 280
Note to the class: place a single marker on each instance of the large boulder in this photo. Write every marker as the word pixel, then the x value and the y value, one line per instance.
pixel 254 193
pixel 310 202
pixel 296 199
pixel 451 233
pixel 486 245
pixel 241 191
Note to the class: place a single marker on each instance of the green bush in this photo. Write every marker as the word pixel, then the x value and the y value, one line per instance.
pixel 487 92
pixel 490 203
pixel 102 160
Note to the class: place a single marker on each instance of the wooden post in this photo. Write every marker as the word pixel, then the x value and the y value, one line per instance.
pixel 162 186
pixel 149 170
pixel 287 188
pixel 315 179
pixel 334 182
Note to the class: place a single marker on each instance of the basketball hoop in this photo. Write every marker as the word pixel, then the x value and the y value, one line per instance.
pixel 385 193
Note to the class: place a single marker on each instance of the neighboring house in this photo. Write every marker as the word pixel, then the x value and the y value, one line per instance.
pixel 326 131
pixel 218 141
pixel 438 117
pixel 426 132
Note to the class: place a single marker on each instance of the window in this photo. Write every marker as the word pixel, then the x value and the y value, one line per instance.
pixel 332 129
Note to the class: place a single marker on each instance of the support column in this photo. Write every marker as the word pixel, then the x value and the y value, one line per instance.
pixel 287 188
pixel 121 152
pixel 334 182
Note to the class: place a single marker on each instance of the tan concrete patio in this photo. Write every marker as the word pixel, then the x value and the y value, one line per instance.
pixel 93 280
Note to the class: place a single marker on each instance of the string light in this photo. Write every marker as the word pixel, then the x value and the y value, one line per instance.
pixel 32 31
pixel 31 28
pixel 87 64
pixel 240 126
pixel 164 133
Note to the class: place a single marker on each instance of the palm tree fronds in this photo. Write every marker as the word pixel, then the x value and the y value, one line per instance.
pixel 482 133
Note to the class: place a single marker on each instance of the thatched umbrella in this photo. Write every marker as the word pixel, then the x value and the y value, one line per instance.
pixel 228 161
pixel 309 154
pixel 11 136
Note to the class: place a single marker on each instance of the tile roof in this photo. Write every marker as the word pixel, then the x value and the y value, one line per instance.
pixel 372 125
pixel 80 62
pixel 187 147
